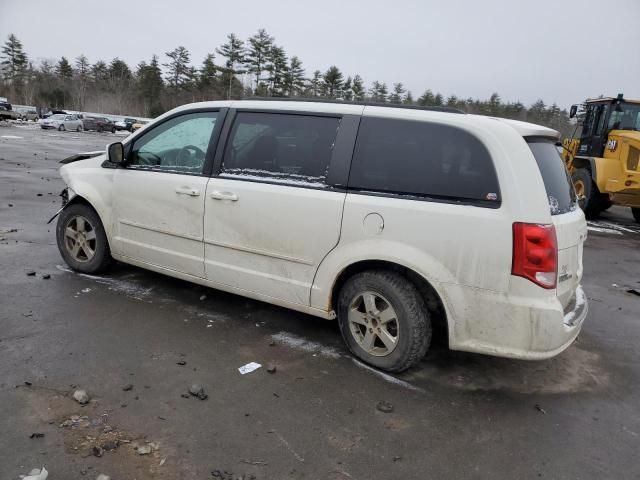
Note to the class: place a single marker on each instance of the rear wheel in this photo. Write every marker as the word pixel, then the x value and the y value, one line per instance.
pixel 636 213
pixel 384 320
pixel 592 201
pixel 79 129
pixel 82 240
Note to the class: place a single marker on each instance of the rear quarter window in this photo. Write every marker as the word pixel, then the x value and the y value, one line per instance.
pixel 425 160
pixel 557 182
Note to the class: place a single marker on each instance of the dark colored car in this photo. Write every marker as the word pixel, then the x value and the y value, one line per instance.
pixel 99 124
pixel 125 124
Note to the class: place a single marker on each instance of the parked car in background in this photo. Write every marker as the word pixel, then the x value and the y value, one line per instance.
pixel 54 112
pixel 138 125
pixel 26 113
pixel 125 124
pixel 6 110
pixel 398 222
pixel 62 122
pixel 99 124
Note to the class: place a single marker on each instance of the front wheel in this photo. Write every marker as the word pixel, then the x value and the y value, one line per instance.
pixel 79 129
pixel 82 240
pixel 61 128
pixel 636 213
pixel 384 320
pixel 591 200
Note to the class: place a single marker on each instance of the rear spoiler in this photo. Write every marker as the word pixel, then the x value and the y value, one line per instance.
pixel 81 156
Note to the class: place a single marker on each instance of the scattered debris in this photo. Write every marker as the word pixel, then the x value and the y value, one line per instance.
pixel 127 387
pixel 397 458
pixel 81 397
pixel 46 276
pixel 185 395
pixel 634 291
pixel 271 368
pixel 97 451
pixel 384 407
pixel 36 435
pixel 249 367
pixel 198 391
pixel 540 409
pixel 36 474
pixel 162 461
pixel 226 475
pixel 31 273
pixel 146 449
pixel 28 384
pixel 181 363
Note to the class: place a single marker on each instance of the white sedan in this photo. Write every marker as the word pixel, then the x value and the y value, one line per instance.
pixel 62 122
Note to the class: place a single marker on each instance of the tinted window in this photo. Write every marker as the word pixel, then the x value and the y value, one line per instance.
pixel 562 198
pixel 177 145
pixel 422 159
pixel 274 146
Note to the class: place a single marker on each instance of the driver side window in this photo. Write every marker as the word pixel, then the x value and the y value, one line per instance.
pixel 179 145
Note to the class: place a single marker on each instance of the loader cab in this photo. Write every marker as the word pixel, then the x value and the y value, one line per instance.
pixel 595 123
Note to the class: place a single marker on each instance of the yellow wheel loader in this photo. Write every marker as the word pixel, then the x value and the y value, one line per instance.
pixel 603 155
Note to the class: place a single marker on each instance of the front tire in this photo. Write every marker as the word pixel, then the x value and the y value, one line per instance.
pixel 384 320
pixel 61 128
pixel 79 129
pixel 81 239
pixel 592 201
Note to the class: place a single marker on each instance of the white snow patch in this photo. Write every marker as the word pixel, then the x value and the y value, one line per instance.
pixel 581 299
pixel 387 377
pixel 614 226
pixel 123 286
pixel 11 136
pixel 593 228
pixel 305 345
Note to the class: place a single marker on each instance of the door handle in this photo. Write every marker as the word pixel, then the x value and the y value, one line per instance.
pixel 192 192
pixel 217 195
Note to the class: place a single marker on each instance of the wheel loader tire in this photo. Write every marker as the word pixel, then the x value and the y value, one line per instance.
pixel 591 200
pixel 636 213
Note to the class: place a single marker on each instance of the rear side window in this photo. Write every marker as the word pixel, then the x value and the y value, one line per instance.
pixel 280 147
pixel 557 182
pixel 423 159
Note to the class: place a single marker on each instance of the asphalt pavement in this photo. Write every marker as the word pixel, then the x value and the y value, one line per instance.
pixel 136 341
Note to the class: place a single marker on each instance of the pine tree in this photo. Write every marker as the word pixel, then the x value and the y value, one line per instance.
pixel 277 68
pixel 82 76
pixel 378 92
pixel 315 84
pixel 150 85
pixel 100 73
pixel 258 54
pixel 427 99
pixel 233 51
pixel 178 71
pixel 208 78
pixel 357 88
pixel 408 99
pixel 14 60
pixel 398 93
pixel 294 78
pixel 119 72
pixel 347 92
pixel 64 70
pixel 332 82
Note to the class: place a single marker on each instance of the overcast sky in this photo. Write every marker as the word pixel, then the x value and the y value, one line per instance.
pixel 559 50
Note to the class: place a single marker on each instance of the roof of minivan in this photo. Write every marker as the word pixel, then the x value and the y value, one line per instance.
pixel 523 128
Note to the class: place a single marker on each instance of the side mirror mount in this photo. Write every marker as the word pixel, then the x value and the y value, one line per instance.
pixel 115 153
pixel 573 111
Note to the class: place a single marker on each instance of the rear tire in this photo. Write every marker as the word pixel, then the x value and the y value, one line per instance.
pixel 365 320
pixel 636 213
pixel 592 201
pixel 81 239
pixel 79 129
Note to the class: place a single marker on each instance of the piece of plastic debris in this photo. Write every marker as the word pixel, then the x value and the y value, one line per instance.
pixel 36 474
pixel 249 367
pixel 384 407
pixel 197 391
pixel 81 397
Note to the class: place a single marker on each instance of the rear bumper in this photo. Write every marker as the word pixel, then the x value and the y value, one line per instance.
pixel 504 326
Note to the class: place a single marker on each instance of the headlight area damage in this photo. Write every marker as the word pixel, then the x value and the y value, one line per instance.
pixel 67 194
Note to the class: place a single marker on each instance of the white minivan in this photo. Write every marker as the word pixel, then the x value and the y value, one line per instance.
pixel 396 221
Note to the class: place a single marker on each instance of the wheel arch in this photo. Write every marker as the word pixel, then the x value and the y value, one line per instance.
pixel 586 162
pixel 433 300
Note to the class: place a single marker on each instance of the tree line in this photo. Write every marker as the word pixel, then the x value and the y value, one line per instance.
pixel 235 69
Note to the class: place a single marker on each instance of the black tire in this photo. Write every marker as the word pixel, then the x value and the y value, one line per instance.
pixel 592 202
pixel 79 129
pixel 101 259
pixel 61 128
pixel 636 213
pixel 413 323
pixel 113 130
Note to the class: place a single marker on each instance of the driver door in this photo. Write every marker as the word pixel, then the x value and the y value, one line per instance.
pixel 159 195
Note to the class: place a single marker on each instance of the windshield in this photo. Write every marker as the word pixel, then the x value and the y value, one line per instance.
pixel 625 116
pixel 562 197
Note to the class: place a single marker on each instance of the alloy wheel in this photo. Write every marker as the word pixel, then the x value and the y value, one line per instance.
pixel 80 238
pixel 373 323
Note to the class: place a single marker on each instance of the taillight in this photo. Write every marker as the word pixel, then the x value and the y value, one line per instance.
pixel 535 253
